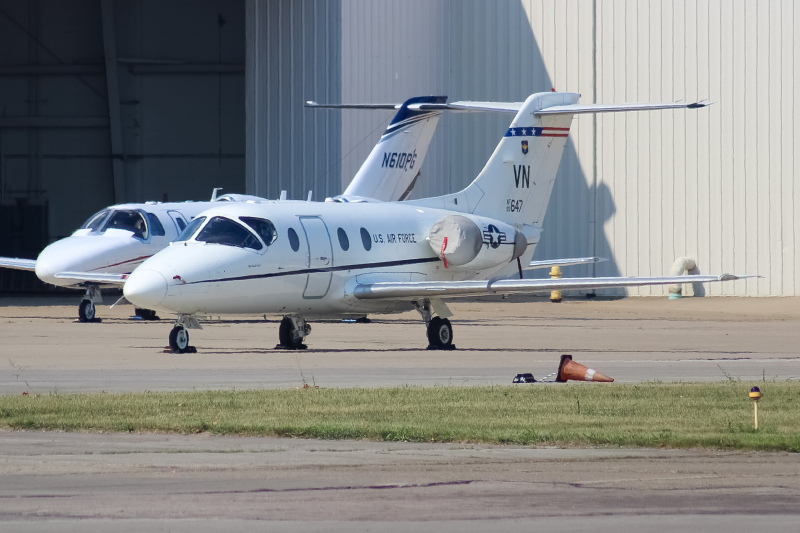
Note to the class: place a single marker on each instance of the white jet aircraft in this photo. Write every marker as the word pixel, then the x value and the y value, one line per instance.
pixel 308 260
pixel 114 241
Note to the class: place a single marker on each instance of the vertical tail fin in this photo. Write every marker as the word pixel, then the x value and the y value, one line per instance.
pixel 392 168
pixel 516 183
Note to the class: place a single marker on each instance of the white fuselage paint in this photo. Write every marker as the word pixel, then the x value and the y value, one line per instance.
pixel 317 279
pixel 115 251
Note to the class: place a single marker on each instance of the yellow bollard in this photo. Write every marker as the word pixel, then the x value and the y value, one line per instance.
pixel 755 395
pixel 555 273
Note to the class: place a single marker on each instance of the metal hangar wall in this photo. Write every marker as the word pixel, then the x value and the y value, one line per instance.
pixel 108 101
pixel 642 189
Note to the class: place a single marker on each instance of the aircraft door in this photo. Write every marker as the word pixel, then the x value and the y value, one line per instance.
pixel 179 220
pixel 320 256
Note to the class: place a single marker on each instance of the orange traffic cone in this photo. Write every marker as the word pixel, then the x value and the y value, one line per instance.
pixel 570 370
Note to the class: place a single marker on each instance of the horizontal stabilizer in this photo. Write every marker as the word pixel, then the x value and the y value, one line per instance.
pixel 443 289
pixel 514 107
pixel 577 109
pixel 499 107
pixel 566 262
pixel 18 264
pixel 311 103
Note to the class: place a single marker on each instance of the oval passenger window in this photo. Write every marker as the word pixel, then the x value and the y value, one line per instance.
pixel 344 242
pixel 366 240
pixel 294 240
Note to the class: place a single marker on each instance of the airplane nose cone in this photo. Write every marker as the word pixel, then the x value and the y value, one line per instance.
pixel 145 288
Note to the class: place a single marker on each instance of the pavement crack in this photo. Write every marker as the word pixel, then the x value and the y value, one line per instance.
pixel 348 487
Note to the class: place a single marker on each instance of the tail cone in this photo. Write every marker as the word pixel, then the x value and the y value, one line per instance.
pixel 570 370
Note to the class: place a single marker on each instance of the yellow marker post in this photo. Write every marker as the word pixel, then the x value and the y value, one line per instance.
pixel 555 295
pixel 755 395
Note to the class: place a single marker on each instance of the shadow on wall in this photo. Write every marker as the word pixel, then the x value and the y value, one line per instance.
pixel 485 68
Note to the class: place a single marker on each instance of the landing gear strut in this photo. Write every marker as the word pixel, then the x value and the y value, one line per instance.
pixel 86 310
pixel 292 331
pixel 439 330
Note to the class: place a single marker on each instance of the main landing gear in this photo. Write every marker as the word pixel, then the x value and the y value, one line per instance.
pixel 179 336
pixel 86 310
pixel 292 331
pixel 440 332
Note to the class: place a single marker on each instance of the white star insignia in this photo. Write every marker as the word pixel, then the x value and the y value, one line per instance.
pixel 513 132
pixel 523 131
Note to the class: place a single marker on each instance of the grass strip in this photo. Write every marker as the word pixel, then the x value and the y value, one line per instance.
pixel 713 415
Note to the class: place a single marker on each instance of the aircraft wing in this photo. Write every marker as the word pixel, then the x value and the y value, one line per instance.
pixel 18 264
pixel 547 263
pixel 95 277
pixel 444 289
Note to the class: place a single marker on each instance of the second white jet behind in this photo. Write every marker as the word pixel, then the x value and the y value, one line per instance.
pixel 117 239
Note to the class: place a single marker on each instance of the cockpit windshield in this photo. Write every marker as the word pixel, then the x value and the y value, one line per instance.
pixel 225 231
pixel 191 229
pixel 124 219
pixel 95 222
pixel 129 221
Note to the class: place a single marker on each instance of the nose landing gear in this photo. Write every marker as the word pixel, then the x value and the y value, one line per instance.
pixel 86 310
pixel 179 336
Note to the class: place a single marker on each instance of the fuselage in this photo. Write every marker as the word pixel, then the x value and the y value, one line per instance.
pixel 118 239
pixel 318 254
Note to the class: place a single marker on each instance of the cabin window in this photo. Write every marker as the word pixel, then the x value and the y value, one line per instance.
pixel 294 240
pixel 95 222
pixel 191 229
pixel 344 242
pixel 132 221
pixel 265 229
pixel 156 229
pixel 366 240
pixel 225 231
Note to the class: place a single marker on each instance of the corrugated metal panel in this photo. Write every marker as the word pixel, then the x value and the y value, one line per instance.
pixel 720 171
pixel 292 56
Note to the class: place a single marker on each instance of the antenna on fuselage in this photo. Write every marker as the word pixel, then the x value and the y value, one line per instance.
pixel 309 196
pixel 214 193
pixel 283 196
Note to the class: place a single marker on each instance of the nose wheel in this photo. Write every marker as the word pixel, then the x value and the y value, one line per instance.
pixel 179 339
pixel 86 310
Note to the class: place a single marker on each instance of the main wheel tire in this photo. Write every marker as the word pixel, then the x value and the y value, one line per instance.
pixel 288 336
pixel 178 339
pixel 86 311
pixel 440 333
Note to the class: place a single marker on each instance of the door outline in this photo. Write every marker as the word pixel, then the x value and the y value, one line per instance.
pixel 319 256
pixel 175 216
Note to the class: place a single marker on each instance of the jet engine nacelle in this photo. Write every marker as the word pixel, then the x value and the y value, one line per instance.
pixel 469 242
